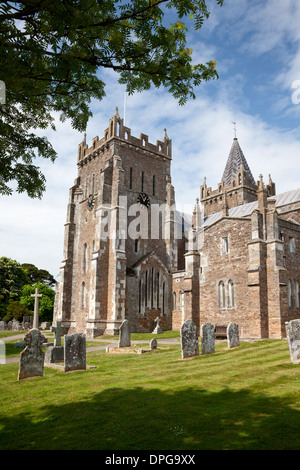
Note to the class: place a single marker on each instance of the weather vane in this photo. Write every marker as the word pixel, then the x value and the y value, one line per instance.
pixel 234 128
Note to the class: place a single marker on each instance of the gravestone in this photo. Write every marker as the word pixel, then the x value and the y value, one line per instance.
pixel 55 353
pixel 9 325
pixel 32 357
pixel 293 337
pixel 2 325
pixel 45 325
pixel 189 339
pixel 124 331
pixel 74 352
pixel 15 325
pixel 157 330
pixel 207 338
pixel 153 344
pixel 233 339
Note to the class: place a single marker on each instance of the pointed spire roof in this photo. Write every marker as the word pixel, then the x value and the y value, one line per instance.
pixel 235 160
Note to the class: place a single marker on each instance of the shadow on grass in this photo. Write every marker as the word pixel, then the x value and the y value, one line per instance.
pixel 150 419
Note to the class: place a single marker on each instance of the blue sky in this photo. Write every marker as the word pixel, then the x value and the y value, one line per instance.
pixel 256 44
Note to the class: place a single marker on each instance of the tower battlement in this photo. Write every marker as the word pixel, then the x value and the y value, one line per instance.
pixel 117 130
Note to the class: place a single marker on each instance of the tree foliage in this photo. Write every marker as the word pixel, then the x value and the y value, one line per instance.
pixel 36 275
pixel 51 57
pixel 12 279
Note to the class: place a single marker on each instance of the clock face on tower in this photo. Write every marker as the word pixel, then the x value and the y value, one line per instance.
pixel 143 199
pixel 91 202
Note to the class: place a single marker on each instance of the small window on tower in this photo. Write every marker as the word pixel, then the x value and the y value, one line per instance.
pixel 130 178
pixel 292 245
pixel 153 185
pixel 225 245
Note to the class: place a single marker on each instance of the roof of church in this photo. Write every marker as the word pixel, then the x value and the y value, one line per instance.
pixel 245 210
pixel 235 160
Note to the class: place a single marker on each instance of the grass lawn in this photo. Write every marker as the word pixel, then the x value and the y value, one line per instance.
pixel 243 398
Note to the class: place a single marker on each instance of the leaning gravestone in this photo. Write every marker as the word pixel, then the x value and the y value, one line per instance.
pixel 207 338
pixel 124 340
pixel 32 358
pixel 233 339
pixel 189 340
pixel 293 336
pixel 74 352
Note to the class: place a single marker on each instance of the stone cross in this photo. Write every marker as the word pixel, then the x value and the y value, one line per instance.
pixel 36 296
pixel 58 330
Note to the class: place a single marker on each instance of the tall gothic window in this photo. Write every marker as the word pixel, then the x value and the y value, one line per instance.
pixel 290 293
pixel 84 258
pixel 297 293
pixel 231 299
pixel 221 294
pixel 83 295
pixel 174 301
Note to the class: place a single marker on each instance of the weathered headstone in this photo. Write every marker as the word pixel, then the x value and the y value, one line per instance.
pixel 36 297
pixel 207 338
pixel 74 352
pixel 2 325
pixel 15 325
pixel 153 344
pixel 45 325
pixel 233 338
pixel 9 325
pixel 32 357
pixel 124 331
pixel 157 330
pixel 293 337
pixel 189 339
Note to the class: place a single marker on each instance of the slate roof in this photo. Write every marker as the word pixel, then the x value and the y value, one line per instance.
pixel 235 160
pixel 245 210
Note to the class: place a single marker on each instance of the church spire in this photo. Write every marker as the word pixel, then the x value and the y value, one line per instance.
pixel 235 161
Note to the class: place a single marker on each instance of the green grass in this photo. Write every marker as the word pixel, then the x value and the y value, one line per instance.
pixel 244 398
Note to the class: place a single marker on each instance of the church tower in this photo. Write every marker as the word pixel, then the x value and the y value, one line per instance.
pixel 120 245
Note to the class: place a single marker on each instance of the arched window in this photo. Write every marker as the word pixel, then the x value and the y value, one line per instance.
pixel 180 300
pixel 221 294
pixel 83 295
pixel 140 296
pixel 146 289
pixel 84 258
pixel 174 301
pixel 297 294
pixel 290 293
pixel 157 290
pixel 231 298
pixel 163 298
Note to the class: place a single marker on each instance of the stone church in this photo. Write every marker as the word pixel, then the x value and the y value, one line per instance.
pixel 128 253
